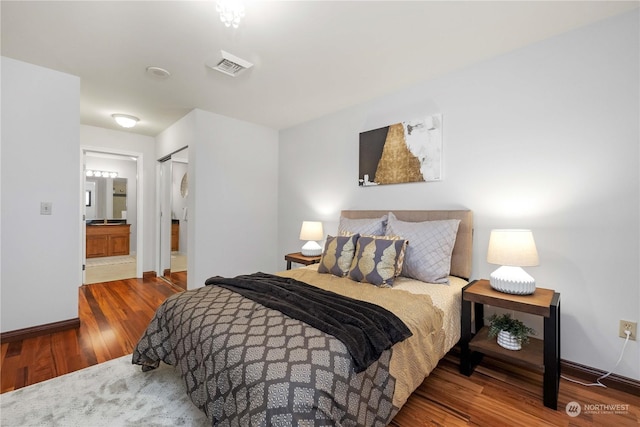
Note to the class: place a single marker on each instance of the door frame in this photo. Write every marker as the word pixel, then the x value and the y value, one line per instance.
pixel 139 203
pixel 161 201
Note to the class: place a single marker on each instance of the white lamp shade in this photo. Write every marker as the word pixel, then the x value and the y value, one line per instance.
pixel 311 230
pixel 513 248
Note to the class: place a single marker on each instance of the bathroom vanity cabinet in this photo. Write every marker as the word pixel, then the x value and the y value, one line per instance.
pixel 107 240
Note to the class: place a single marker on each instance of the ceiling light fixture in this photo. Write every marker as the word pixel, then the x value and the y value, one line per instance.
pixel 158 73
pixel 125 120
pixel 231 12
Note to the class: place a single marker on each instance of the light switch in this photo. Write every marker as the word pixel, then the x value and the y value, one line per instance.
pixel 45 208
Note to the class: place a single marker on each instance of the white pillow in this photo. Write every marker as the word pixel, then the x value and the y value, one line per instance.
pixel 369 226
pixel 428 255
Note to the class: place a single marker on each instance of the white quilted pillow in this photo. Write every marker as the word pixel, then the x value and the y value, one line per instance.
pixel 428 255
pixel 369 226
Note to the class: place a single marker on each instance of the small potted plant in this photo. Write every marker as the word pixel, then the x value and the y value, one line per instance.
pixel 511 333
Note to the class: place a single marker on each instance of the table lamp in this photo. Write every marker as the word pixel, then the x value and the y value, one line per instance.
pixel 512 249
pixel 311 231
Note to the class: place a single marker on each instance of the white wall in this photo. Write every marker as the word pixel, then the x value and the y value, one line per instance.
pixel 233 192
pixel 181 134
pixel 40 271
pixel 545 138
pixel 100 139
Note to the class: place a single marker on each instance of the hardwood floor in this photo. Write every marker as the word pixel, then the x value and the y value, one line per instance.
pixel 498 394
pixel 113 316
pixel 179 278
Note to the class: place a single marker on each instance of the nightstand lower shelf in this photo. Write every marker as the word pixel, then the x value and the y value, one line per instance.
pixel 530 356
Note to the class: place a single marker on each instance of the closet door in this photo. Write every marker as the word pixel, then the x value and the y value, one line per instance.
pixel 180 217
pixel 173 217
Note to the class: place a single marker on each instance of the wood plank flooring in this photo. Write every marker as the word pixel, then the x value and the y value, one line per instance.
pixel 113 315
pixel 179 278
pixel 498 394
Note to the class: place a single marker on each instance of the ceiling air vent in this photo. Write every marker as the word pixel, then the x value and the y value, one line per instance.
pixel 231 65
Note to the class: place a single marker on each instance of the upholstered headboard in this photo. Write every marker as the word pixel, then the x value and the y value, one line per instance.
pixel 461 258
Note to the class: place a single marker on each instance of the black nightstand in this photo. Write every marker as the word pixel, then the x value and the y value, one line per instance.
pixel 298 258
pixel 540 354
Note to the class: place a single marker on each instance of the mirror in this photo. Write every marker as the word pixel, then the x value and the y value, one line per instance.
pixel 174 217
pixel 105 198
pixel 119 198
pixel 184 186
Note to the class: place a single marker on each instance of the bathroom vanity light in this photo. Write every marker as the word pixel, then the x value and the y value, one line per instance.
pixel 311 231
pixel 104 174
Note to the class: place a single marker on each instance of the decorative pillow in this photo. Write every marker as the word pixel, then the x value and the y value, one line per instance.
pixel 403 250
pixel 370 226
pixel 428 257
pixel 338 254
pixel 376 260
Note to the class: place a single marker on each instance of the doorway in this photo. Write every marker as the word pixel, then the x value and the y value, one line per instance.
pixel 173 217
pixel 111 230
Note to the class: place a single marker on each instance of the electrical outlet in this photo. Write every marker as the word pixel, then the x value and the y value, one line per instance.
pixel 626 325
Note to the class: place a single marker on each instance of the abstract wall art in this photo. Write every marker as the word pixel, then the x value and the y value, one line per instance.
pixel 409 151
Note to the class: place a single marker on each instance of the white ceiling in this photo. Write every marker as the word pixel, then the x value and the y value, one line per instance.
pixel 311 57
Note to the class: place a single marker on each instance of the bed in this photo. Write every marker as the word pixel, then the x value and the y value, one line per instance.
pixel 264 349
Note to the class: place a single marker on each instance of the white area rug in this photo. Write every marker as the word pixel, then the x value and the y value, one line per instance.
pixel 114 393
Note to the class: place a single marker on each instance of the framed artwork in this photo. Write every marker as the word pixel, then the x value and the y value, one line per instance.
pixel 409 151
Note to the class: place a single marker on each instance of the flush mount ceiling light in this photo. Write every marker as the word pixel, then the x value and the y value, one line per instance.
pixel 125 120
pixel 158 73
pixel 231 12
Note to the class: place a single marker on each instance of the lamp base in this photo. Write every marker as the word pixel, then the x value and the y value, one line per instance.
pixel 512 280
pixel 311 248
